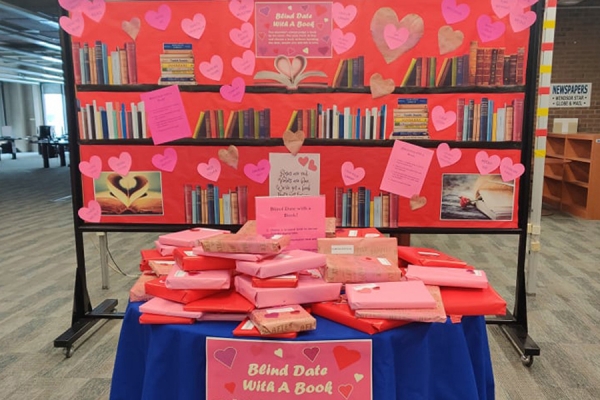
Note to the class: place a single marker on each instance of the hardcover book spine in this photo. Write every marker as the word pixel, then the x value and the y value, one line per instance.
pixel 385 210
pixel 75 47
pixel 235 220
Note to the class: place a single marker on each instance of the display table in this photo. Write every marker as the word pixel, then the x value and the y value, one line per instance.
pixel 416 361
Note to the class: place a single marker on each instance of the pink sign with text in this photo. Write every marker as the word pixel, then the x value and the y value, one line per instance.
pixel 293 29
pixel 167 119
pixel 259 369
pixel 302 218
pixel 407 169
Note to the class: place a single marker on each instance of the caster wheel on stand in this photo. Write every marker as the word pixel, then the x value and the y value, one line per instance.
pixel 527 360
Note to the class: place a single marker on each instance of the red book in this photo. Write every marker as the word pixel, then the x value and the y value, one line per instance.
pixel 460 119
pixel 131 62
pixel 282 281
pixel 188 261
pixel 473 302
pixel 151 254
pixel 157 288
pixel 155 319
pixel 227 301
pixel 75 47
pixel 427 257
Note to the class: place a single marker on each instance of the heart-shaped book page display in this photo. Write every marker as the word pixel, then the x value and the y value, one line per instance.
pixel 293 141
pixel 230 156
pixel 382 19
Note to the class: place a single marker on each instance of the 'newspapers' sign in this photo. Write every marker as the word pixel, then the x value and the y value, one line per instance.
pixel 565 95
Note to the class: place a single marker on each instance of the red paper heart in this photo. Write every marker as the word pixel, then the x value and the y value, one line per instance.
pixel 230 386
pixel 312 166
pixel 344 357
pixel 303 161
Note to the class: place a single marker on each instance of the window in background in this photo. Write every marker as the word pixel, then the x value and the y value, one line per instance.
pixel 54 108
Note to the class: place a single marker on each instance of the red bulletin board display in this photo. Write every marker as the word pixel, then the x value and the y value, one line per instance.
pixel 350 77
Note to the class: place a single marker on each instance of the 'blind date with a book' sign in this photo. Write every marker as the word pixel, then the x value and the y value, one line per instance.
pixel 255 369
pixel 302 218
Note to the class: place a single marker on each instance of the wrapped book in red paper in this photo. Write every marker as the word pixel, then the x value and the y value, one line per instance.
pixel 151 254
pixel 341 313
pixel 427 257
pixel 283 263
pixel 472 302
pixel 224 302
pixel 154 319
pixel 309 290
pixel 187 260
pixel 389 295
pixel 292 318
pixel 281 281
pixel 254 244
pixel 436 314
pixel 358 269
pixel 247 328
pixel 157 288
pixel 189 237
pixel 443 276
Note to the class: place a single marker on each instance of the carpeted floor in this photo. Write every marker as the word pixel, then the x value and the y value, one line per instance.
pixel 37 265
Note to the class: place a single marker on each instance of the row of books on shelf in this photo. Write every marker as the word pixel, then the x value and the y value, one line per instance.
pixel 355 208
pixel 177 65
pixel 97 65
pixel 411 119
pixel 112 121
pixel 480 67
pixel 210 206
pixel 340 123
pixel 489 122
pixel 249 124
pixel 350 73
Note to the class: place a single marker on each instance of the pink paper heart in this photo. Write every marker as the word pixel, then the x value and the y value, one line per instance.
pixel 510 171
pixel 74 25
pixel 242 37
pixel 502 7
pixel 122 164
pixel 244 64
pixel 486 164
pixel 259 172
pixel 241 9
pixel 441 118
pixel 519 20
pixel 213 69
pixel 166 161
pixel 71 5
pixel 94 9
pixel 395 37
pixel 159 19
pixel 235 91
pixel 341 15
pixel 226 356
pixel 91 213
pixel 447 156
pixel 194 27
pixel 93 168
pixel 453 12
pixel 132 28
pixel 342 42
pixel 351 175
pixel 210 171
pixel 311 352
pixel 489 30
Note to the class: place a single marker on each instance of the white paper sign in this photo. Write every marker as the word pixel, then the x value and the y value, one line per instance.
pixel 291 175
pixel 570 95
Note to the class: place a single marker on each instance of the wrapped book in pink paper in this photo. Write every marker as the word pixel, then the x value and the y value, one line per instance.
pixel 442 276
pixel 199 251
pixel 309 290
pixel 189 237
pixel 255 244
pixel 208 280
pixel 187 260
pixel 436 314
pixel 165 307
pixel 428 257
pixel 356 246
pixel 161 267
pixel 283 263
pixel 292 318
pixel 392 295
pixel 157 288
pixel 164 249
pixel 355 269
pixel 138 290
pixel 330 227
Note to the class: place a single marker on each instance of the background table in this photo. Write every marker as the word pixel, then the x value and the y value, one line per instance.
pixel 414 362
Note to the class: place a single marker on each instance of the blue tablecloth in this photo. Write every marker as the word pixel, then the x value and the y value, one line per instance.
pixel 414 362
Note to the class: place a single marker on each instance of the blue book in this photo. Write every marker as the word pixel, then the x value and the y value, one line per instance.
pixel 344 209
pixel 104 118
pixel 123 121
pixel 217 214
pixel 210 198
pixel 357 125
pixel 194 207
pixel 483 119
pixel 412 101
pixel 361 206
pixel 490 120
pixel 367 207
pixel 177 46
pixel 105 63
pixel 382 121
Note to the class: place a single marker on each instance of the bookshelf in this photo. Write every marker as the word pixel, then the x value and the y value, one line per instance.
pixel 572 172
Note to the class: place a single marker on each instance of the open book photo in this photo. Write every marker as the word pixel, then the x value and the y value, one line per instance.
pixel 137 193
pixel 477 197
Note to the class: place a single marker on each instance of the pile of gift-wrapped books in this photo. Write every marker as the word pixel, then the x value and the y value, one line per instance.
pixel 357 277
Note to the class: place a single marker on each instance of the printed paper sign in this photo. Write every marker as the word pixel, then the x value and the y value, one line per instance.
pixel 260 369
pixel 406 169
pixel 293 29
pixel 166 115
pixel 569 95
pixel 294 175
pixel 302 218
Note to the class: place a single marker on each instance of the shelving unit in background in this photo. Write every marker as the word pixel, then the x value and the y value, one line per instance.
pixel 572 173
